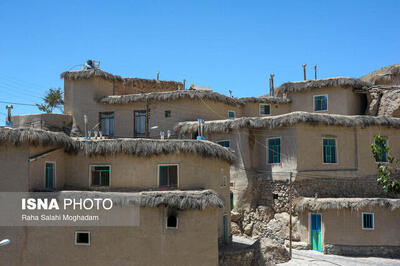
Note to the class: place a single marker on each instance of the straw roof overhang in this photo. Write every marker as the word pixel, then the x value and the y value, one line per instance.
pixel 271 100
pixel 177 199
pixel 91 73
pixel 170 96
pixel 288 120
pixel 151 147
pixel 87 74
pixel 305 85
pixel 137 147
pixel 318 204
pixel 35 137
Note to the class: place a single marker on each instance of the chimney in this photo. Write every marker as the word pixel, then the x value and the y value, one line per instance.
pixel 304 70
pixel 184 84
pixel 271 84
pixel 158 76
pixel 315 70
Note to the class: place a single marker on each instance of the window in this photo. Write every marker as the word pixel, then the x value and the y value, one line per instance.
pixel 275 196
pixel 329 150
pixel 140 124
pixel 82 238
pixel 100 175
pixel 367 220
pixel 224 143
pixel 168 176
pixel 321 103
pixel 265 109
pixel 223 181
pixel 231 114
pixel 107 124
pixel 172 221
pixel 167 113
pixel 274 150
pixel 383 155
pixel 50 170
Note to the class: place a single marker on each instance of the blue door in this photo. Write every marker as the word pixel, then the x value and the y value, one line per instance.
pixel 316 243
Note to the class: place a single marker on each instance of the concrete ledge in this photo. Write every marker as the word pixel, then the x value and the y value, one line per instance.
pixel 363 251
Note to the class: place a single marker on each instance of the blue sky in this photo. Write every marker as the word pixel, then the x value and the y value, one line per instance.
pixel 227 45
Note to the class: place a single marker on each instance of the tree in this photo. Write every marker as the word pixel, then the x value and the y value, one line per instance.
pixel 388 166
pixel 53 99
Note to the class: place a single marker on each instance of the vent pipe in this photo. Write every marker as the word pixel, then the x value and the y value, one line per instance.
pixel 184 84
pixel 271 84
pixel 304 70
pixel 315 70
pixel 158 76
pixel 9 108
pixel 230 93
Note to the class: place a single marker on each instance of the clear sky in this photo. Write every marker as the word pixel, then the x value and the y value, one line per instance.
pixel 227 45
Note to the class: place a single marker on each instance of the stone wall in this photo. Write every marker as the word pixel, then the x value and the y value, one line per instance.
pixel 363 251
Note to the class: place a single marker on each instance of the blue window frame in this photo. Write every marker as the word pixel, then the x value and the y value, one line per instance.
pixel 50 175
pixel 265 109
pixel 274 150
pixel 231 114
pixel 224 143
pixel 320 103
pixel 368 220
pixel 329 147
pixel 383 156
pixel 100 175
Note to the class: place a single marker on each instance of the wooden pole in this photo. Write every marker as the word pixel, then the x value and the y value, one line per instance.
pixel 315 70
pixel 290 215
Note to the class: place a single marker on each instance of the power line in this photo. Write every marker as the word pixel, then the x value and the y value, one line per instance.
pixel 27 104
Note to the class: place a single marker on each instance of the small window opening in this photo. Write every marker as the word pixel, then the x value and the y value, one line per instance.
pixel 82 238
pixel 167 113
pixel 275 196
pixel 172 221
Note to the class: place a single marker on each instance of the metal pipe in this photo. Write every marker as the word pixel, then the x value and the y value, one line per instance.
pixel 315 70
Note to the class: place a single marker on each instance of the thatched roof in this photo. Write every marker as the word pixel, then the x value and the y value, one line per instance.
pixel 91 73
pixel 177 199
pixel 137 147
pixel 317 204
pixel 321 83
pixel 150 147
pixel 265 99
pixel 287 120
pixel 36 137
pixel 389 75
pixel 170 96
pixel 87 74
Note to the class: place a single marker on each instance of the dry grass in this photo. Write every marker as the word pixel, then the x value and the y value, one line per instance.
pixel 304 85
pixel 317 204
pixel 287 120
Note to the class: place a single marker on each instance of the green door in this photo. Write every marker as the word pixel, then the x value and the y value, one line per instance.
pixel 50 174
pixel 316 243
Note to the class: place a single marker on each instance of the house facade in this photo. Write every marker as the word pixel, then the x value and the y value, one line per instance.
pixel 183 207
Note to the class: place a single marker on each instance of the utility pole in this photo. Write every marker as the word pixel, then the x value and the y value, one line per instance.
pixel 146 130
pixel 304 70
pixel 290 215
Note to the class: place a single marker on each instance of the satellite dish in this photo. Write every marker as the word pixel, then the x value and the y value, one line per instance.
pixel 4 242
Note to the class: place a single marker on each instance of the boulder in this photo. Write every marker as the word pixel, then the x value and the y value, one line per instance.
pixel 248 229
pixel 236 216
pixel 298 245
pixel 235 229
pixel 280 226
pixel 272 252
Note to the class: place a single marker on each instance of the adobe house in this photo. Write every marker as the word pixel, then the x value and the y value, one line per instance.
pixel 351 226
pixel 184 212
